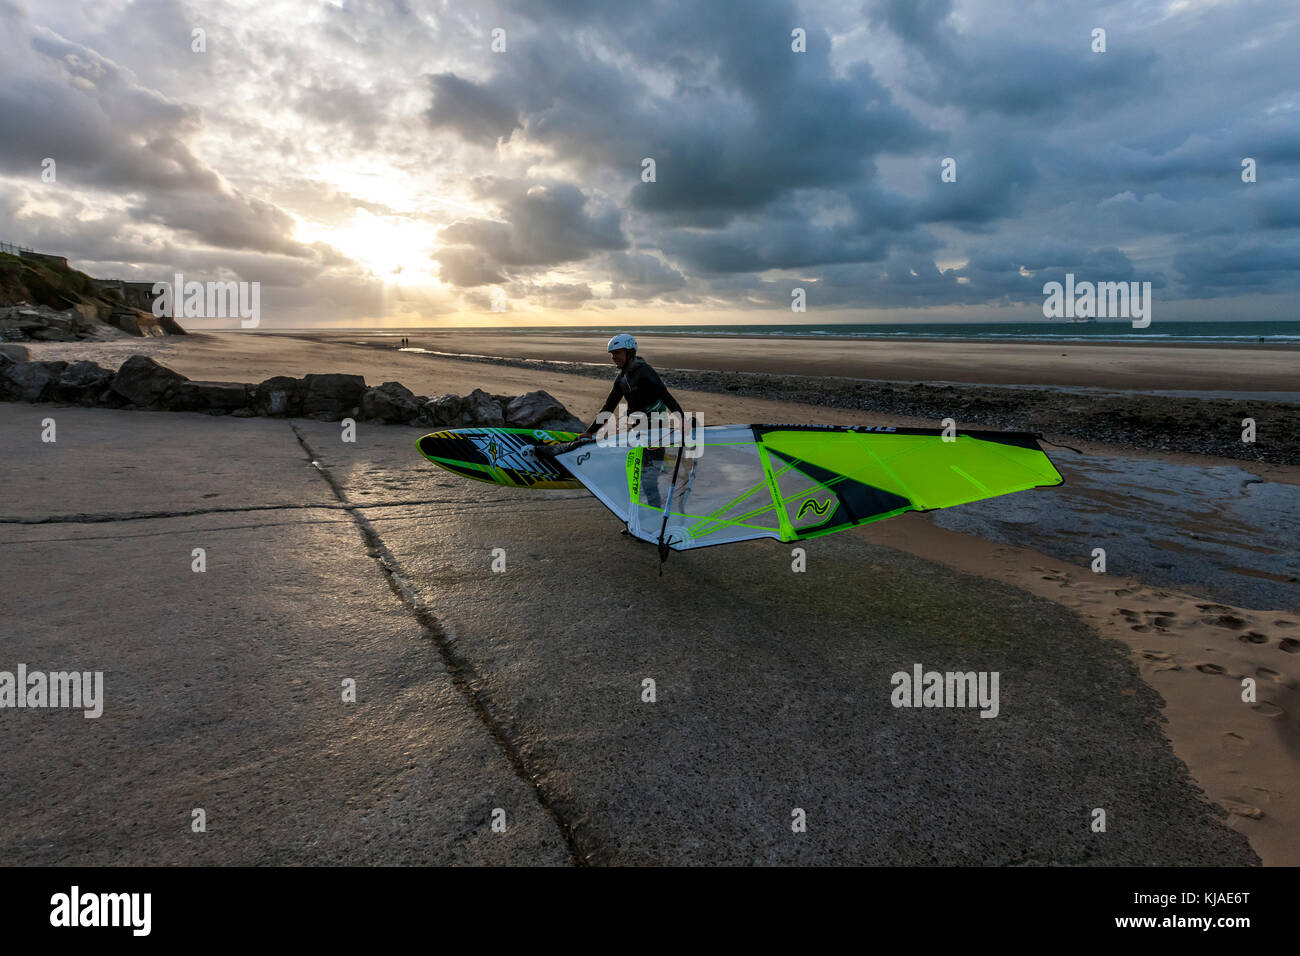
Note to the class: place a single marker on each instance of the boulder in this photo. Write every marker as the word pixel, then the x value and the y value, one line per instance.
pixel 279 396
pixel 31 381
pixel 111 399
pixel 563 423
pixel 82 383
pixel 142 381
pixel 390 402
pixel 331 397
pixel 481 410
pixel 15 353
pixel 530 410
pixel 135 322
pixel 217 398
pixel 444 410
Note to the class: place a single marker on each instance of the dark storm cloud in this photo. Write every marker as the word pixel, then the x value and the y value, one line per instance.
pixel 760 244
pixel 747 121
pixel 1006 276
pixel 478 113
pixel 1055 73
pixel 820 169
pixel 63 101
pixel 766 160
pixel 639 275
pixel 105 131
pixel 542 225
pixel 1225 266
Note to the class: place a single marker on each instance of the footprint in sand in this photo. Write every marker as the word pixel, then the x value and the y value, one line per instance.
pixel 1253 637
pixel 1284 623
pixel 1229 621
pixel 1163 660
pixel 1290 645
pixel 1160 620
pixel 1132 618
pixel 1266 708
pixel 1237 808
pixel 1236 745
pixel 1214 607
pixel 1208 668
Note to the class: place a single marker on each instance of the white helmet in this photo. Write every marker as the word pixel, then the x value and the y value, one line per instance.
pixel 622 341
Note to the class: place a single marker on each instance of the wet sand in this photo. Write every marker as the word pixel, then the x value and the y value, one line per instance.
pixel 1141 367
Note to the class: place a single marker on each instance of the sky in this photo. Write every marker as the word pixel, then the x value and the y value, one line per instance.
pixel 408 163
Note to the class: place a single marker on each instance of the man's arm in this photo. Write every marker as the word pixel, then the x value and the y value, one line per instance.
pixel 659 390
pixel 611 403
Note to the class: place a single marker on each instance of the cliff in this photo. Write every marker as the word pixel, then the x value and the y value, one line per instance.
pixel 43 299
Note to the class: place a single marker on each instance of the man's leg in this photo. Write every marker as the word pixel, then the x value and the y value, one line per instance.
pixel 652 466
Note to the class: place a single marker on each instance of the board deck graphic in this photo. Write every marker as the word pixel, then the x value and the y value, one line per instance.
pixel 500 456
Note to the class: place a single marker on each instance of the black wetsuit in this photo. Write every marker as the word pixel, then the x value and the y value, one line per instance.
pixel 645 392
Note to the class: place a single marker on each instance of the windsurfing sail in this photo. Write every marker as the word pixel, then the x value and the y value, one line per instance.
pixel 793 482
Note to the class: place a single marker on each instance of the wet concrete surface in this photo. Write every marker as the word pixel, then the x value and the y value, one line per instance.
pixel 526 689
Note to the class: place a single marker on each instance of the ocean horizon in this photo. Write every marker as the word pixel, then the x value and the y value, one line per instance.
pixel 1225 332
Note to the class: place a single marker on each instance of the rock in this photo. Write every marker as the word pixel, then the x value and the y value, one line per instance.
pixel 82 383
pixel 111 399
pixel 216 397
pixel 51 333
pixel 481 409
pixel 331 397
pixel 390 402
pixel 31 381
pixel 43 324
pixel 15 353
pixel 243 413
pixel 142 381
pixel 530 410
pixel 444 410
pixel 564 423
pixel 135 322
pixel 279 396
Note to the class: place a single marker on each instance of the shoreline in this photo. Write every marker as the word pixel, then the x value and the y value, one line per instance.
pixel 1138 367
pixel 1262 346
pixel 1129 419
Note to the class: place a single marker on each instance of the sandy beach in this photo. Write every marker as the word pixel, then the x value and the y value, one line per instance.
pixel 1202 590
pixel 1140 367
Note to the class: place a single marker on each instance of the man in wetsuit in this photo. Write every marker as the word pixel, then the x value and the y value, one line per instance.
pixel 637 382
pixel 644 391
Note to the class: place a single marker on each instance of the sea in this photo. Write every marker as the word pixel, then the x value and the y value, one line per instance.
pixel 1220 333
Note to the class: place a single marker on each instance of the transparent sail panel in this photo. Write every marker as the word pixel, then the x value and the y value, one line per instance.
pixel 727 497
